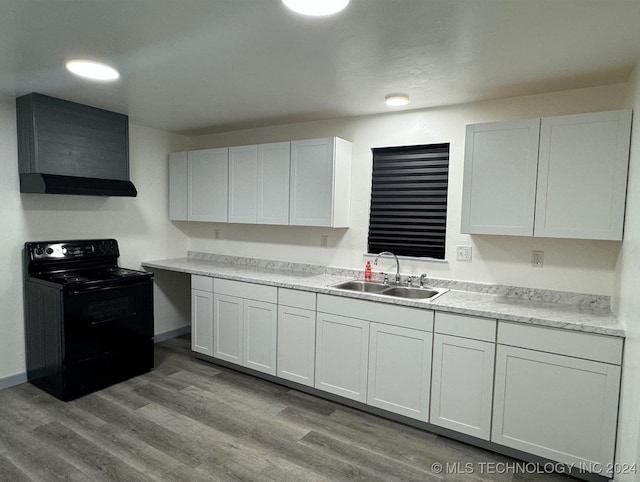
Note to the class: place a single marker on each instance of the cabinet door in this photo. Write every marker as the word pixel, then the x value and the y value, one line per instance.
pixel 227 328
pixel 178 186
pixel 582 175
pixel 462 384
pixel 260 335
pixel 342 346
pixel 202 322
pixel 296 344
pixel 208 185
pixel 399 370
pixel 312 182
pixel 555 406
pixel 273 183
pixel 243 184
pixel 499 187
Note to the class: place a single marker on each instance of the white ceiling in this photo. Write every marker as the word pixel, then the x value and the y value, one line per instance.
pixel 196 66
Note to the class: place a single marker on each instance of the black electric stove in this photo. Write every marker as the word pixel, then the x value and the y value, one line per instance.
pixel 89 322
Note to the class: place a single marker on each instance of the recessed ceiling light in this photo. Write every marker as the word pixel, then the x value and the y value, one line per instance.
pixel 316 8
pixel 396 100
pixel 89 69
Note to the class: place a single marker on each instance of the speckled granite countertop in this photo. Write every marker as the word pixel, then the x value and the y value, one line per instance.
pixel 538 307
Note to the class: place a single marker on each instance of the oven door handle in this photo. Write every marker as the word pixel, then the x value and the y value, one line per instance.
pixel 101 289
pixel 94 322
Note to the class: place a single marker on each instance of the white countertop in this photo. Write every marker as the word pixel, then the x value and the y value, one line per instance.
pixel 543 313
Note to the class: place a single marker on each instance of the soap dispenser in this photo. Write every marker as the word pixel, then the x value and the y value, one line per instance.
pixel 367 271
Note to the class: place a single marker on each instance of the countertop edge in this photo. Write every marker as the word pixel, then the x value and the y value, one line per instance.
pixel 321 284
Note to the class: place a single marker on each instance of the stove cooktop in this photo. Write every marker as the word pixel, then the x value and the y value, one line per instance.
pixel 94 276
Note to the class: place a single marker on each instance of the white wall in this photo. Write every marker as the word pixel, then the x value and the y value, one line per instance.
pixel 140 225
pixel 627 300
pixel 581 266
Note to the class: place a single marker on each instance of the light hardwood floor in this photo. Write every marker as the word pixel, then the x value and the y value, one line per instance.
pixel 188 420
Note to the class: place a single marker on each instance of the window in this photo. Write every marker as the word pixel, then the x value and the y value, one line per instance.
pixel 409 200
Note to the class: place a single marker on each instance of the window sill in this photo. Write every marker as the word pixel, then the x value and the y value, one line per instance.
pixel 410 258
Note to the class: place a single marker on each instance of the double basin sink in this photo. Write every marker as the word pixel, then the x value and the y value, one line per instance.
pixel 406 292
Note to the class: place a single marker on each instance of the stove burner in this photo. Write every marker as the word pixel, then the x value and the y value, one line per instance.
pixel 76 279
pixel 64 276
pixel 108 274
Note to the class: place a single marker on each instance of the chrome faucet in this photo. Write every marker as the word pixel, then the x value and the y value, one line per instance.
pixel 375 262
pixel 423 276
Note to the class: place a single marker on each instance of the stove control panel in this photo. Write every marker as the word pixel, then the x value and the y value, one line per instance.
pixel 52 250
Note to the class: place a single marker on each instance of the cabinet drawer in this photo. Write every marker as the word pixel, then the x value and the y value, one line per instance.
pixel 466 326
pixel 297 298
pixel 607 349
pixel 390 314
pixel 251 291
pixel 202 283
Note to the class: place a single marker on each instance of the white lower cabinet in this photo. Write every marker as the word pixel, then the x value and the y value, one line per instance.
pixel 245 327
pixel 202 314
pixel 227 324
pixel 342 352
pixel 260 334
pixel 549 392
pixel 375 353
pixel 296 336
pixel 462 380
pixel 559 406
pixel 399 370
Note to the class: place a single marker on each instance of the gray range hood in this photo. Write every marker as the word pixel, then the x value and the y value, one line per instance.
pixel 70 148
pixel 88 186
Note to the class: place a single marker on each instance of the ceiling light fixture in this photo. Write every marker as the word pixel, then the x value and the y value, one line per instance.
pixel 316 8
pixel 396 100
pixel 89 69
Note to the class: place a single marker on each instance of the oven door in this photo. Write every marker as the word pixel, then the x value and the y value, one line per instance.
pixel 108 321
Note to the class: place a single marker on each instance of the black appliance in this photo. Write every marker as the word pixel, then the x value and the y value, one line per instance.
pixel 70 148
pixel 89 323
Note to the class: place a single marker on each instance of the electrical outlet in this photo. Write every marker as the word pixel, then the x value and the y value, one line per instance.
pixel 537 259
pixel 463 253
pixel 324 241
pixel 216 234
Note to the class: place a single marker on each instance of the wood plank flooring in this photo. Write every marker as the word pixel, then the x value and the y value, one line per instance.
pixel 188 420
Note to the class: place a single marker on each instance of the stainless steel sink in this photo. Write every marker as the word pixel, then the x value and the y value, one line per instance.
pixel 411 293
pixel 362 286
pixel 386 290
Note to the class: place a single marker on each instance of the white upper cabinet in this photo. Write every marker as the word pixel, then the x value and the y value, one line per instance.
pixel 207 185
pixel 273 183
pixel 578 162
pixel 499 190
pixel 320 182
pixel 582 175
pixel 178 186
pixel 305 183
pixel 243 184
pixel 259 184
